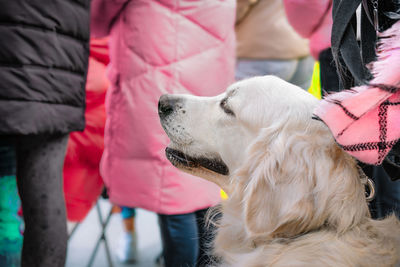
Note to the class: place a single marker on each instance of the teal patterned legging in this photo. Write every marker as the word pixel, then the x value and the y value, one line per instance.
pixel 10 222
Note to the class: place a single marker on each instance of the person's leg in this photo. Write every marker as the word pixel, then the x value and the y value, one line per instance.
pixel 179 236
pixel 127 249
pixel 10 222
pixel 303 74
pixel 128 219
pixel 39 175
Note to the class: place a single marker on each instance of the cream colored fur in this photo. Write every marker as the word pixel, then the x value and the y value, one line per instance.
pixel 295 198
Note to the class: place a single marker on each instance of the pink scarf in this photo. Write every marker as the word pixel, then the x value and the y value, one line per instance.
pixel 365 120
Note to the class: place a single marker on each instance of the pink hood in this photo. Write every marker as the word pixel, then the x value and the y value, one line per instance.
pixel 159 47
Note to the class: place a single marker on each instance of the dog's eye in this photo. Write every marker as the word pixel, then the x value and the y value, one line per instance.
pixel 225 108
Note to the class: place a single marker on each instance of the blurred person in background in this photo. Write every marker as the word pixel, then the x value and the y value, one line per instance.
pixel 353 47
pixel 82 181
pixel 159 47
pixel 268 45
pixel 43 56
pixel 352 56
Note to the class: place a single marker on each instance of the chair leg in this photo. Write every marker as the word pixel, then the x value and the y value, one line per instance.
pixel 102 237
pixel 73 230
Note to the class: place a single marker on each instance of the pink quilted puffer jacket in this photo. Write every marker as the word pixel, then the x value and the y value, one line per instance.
pixel 159 47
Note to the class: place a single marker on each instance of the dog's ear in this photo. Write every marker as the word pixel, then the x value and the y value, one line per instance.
pixel 288 190
pixel 277 198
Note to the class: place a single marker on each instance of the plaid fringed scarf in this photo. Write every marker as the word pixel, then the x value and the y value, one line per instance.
pixel 365 120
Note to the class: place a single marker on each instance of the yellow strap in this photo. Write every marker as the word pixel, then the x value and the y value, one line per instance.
pixel 315 87
pixel 223 195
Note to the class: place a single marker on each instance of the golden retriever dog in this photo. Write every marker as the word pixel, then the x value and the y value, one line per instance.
pixel 295 197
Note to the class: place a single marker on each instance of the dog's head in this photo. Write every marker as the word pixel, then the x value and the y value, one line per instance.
pixel 210 135
pixel 258 141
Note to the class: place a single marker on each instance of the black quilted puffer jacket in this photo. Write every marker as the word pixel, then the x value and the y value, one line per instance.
pixel 44 50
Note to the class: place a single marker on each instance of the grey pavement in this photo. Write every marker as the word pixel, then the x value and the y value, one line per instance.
pixel 83 240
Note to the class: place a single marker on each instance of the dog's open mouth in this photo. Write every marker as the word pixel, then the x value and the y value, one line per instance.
pixel 179 159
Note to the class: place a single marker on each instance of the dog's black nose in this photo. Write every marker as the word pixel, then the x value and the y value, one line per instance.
pixel 165 106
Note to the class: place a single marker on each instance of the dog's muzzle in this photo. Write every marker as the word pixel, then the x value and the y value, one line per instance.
pixel 167 106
